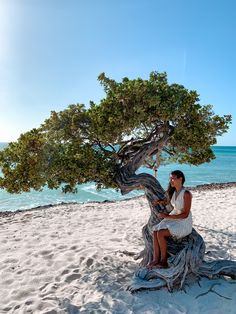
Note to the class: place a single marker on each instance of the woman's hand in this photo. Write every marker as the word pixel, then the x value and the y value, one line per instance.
pixel 159 202
pixel 162 215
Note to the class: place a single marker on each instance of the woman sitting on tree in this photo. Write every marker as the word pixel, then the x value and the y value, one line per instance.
pixel 177 224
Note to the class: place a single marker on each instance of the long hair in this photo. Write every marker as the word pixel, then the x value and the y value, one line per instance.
pixel 170 190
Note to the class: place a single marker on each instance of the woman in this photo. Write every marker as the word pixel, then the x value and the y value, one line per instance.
pixel 177 224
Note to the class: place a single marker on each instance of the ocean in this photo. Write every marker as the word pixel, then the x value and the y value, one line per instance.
pixel 222 169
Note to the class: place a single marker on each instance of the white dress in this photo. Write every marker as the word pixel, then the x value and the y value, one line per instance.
pixel 178 228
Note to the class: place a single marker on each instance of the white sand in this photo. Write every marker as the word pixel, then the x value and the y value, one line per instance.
pixel 68 258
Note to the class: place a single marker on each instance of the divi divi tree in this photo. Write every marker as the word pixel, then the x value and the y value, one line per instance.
pixel 138 123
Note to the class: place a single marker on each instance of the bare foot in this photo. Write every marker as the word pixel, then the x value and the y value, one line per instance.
pixel 162 265
pixel 152 264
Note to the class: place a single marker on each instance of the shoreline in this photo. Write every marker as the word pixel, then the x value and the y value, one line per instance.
pixel 213 186
pixel 200 187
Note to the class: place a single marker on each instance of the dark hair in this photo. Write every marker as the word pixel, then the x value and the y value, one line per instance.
pixel 170 190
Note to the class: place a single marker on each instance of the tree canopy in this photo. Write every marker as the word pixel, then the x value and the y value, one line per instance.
pixel 136 118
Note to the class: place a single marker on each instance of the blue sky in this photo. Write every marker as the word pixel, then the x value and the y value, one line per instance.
pixel 53 50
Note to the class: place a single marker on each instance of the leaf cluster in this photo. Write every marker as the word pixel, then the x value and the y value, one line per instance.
pixel 79 145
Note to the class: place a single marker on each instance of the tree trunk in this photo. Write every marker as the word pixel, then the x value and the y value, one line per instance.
pixel 185 255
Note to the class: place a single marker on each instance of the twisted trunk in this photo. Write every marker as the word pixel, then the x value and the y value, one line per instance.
pixel 185 255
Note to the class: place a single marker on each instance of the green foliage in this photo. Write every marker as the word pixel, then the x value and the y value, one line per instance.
pixel 79 145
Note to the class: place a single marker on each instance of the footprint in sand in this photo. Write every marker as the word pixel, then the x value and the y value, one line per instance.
pixel 72 277
pixel 89 262
pixel 76 271
pixel 74 247
pixel 47 254
pixel 16 307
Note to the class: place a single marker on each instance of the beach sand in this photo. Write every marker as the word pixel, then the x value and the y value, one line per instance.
pixel 78 258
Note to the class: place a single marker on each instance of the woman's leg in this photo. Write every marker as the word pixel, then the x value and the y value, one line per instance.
pixel 156 248
pixel 156 251
pixel 162 236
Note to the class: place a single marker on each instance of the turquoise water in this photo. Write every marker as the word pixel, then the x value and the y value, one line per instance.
pixel 221 169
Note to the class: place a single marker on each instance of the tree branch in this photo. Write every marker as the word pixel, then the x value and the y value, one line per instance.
pixel 149 149
pixel 125 152
pixel 97 142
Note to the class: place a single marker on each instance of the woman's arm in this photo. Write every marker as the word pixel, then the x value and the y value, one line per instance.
pixel 160 202
pixel 186 210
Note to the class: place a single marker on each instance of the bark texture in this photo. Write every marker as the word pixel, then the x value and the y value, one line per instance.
pixel 186 256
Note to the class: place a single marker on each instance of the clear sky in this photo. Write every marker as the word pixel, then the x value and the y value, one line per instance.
pixel 51 52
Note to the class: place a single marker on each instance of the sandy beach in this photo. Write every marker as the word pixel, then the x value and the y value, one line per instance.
pixel 79 258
